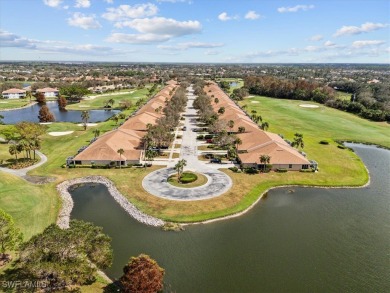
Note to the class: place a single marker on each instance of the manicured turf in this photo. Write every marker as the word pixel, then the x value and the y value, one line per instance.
pixel 286 117
pixel 198 180
pixel 343 96
pixel 33 207
pixel 13 103
pixel 98 103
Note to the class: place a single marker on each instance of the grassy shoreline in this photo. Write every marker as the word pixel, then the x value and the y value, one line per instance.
pixel 345 169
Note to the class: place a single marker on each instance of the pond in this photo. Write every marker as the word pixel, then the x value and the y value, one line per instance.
pixel 31 114
pixel 233 84
pixel 312 240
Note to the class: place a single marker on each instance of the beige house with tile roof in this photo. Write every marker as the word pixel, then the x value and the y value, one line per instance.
pixel 255 141
pixel 127 137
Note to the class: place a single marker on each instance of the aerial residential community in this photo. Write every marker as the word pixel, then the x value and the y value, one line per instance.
pixel 194 146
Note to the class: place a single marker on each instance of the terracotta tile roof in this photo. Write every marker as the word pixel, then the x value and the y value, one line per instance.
pixel 255 141
pixel 14 91
pixel 127 137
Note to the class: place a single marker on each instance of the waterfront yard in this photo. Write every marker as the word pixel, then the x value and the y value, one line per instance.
pixel 35 206
pixel 13 103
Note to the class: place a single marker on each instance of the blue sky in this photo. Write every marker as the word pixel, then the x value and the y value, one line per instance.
pixel 264 31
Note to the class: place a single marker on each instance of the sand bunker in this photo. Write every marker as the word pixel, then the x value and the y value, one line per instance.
pixel 255 102
pixel 46 123
pixel 308 106
pixel 88 124
pixel 83 106
pixel 251 97
pixel 3 102
pixel 60 133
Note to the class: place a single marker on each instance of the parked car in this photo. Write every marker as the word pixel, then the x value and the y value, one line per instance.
pixel 184 128
pixel 209 140
pixel 215 160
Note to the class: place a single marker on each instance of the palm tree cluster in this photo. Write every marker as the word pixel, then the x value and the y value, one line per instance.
pixel 26 138
pixel 159 135
pixel 179 168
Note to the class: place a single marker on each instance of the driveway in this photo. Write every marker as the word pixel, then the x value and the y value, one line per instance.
pixel 218 182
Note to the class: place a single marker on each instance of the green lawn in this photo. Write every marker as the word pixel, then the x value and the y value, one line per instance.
pixel 286 117
pixel 343 96
pixel 97 103
pixel 13 103
pixel 33 207
pixel 36 206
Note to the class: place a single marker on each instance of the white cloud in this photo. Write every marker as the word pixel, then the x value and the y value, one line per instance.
pixel 190 45
pixel 364 28
pixel 137 38
pixel 83 21
pixel 313 49
pixel 329 44
pixel 316 38
pixel 252 15
pixel 225 17
pixel 109 1
pixel 162 26
pixel 52 3
pixel 367 43
pixel 295 8
pixel 11 40
pixel 124 12
pixel 82 4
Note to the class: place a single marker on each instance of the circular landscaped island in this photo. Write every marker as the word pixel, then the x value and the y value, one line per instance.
pixel 187 180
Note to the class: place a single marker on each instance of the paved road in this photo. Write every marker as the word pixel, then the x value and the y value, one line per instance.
pixel 23 172
pixel 218 182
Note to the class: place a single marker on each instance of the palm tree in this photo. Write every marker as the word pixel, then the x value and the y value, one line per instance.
pixel 29 95
pixel 237 142
pixel 264 159
pixel 221 110
pixel 85 117
pixel 111 102
pixel 96 132
pixel 1 119
pixel 150 154
pixel 120 152
pixel 179 167
pixel 298 141
pixel 264 125
pixel 231 125
pixel 14 151
pixel 216 100
pixel 241 129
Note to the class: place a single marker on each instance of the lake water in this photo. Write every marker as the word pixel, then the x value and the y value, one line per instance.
pixel 312 240
pixel 31 114
pixel 233 84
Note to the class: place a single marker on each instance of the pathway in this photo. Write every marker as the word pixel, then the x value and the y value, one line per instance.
pixel 23 172
pixel 218 182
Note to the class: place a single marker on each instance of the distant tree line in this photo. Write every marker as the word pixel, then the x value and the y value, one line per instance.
pixel 368 101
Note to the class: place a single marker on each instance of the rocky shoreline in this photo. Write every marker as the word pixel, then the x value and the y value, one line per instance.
pixel 67 201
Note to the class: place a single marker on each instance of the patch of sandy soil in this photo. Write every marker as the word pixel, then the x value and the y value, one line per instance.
pixel 255 102
pixel 308 106
pixel 60 133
